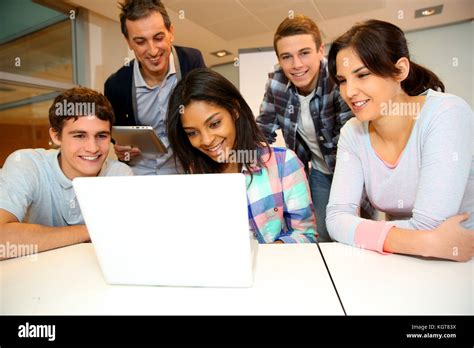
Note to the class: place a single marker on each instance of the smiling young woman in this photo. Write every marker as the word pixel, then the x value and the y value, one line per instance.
pixel 410 147
pixel 209 122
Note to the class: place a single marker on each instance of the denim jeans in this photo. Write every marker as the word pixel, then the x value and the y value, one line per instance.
pixel 320 185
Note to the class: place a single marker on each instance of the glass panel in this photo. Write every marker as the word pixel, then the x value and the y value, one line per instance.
pixel 36 63
pixel 45 54
pixel 10 92
pixel 21 17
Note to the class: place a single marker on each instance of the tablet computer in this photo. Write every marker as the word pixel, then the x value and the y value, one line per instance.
pixel 143 137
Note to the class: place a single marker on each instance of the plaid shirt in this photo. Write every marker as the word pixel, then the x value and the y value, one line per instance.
pixel 279 202
pixel 280 109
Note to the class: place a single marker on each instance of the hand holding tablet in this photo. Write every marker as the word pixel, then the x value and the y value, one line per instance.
pixel 131 141
pixel 126 153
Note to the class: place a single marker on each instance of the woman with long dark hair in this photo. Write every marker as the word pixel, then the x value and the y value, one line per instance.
pixel 213 130
pixel 410 147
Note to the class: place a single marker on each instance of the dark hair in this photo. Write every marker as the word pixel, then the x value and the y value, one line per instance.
pixel 136 9
pixel 77 102
pixel 209 86
pixel 297 25
pixel 379 46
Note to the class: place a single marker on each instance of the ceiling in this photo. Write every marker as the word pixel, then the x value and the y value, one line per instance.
pixel 212 25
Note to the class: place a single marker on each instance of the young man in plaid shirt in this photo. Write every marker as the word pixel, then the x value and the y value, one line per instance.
pixel 305 104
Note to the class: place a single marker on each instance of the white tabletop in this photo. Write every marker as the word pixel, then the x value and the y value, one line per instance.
pixel 370 283
pixel 290 279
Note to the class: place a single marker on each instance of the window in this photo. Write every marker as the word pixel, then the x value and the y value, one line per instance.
pixel 37 62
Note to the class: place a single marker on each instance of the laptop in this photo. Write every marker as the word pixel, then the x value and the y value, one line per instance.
pixel 170 230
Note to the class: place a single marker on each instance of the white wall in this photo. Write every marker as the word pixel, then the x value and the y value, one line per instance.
pixel 448 51
pixel 253 74
pixel 108 50
pixel 230 71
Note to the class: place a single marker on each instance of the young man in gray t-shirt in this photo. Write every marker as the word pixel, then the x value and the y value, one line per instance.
pixel 38 206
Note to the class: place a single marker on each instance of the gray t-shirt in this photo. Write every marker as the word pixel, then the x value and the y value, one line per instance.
pixel 34 188
pixel 432 181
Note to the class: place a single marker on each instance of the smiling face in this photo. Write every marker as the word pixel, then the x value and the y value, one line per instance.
pixel 151 42
pixel 300 60
pixel 363 91
pixel 210 129
pixel 84 146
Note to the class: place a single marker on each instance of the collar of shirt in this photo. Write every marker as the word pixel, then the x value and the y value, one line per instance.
pixel 262 153
pixel 322 76
pixel 140 81
pixel 63 180
pixel 302 98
